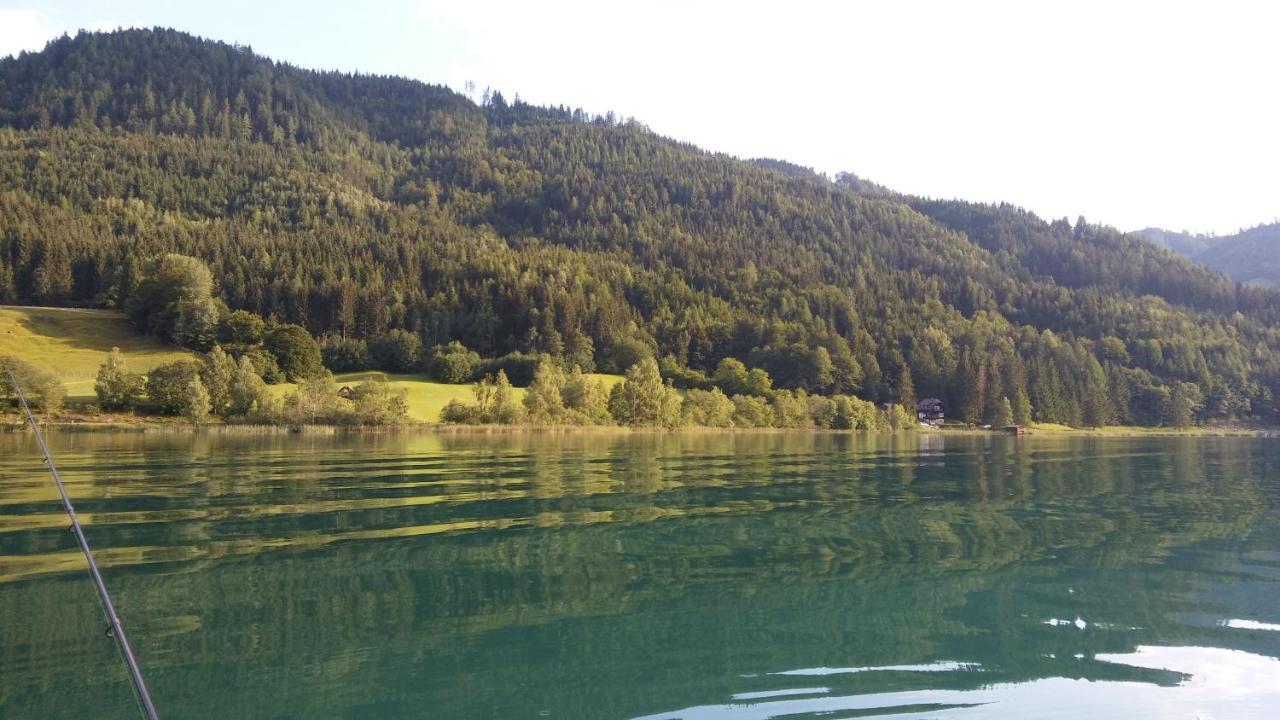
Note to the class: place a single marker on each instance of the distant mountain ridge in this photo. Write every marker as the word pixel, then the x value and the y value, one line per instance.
pixel 1249 256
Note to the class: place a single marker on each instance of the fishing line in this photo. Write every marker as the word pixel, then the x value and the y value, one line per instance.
pixel 115 629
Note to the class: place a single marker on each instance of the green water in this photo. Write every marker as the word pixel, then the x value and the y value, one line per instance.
pixel 699 576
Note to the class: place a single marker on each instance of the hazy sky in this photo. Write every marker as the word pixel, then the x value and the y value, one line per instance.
pixel 1129 113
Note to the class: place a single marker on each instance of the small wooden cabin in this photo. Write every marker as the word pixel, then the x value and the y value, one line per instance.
pixel 1015 429
pixel 931 410
pixel 344 392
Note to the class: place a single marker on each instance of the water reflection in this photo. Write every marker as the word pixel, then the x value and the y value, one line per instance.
pixel 615 576
pixel 1194 682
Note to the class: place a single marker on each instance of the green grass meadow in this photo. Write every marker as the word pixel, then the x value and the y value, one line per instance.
pixel 73 343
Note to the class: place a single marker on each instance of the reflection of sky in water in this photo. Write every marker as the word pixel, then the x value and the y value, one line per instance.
pixel 1216 683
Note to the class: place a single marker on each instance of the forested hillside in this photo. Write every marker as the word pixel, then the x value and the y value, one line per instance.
pixel 1249 256
pixel 356 204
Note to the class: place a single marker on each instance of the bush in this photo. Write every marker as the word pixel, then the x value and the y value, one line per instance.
pixel 316 402
pixel 265 365
pixel 341 354
pixel 295 351
pixel 897 418
pixel 791 409
pixel 708 408
pixel 623 353
pixel 822 411
pixel 544 399
pixel 518 367
pixel 379 403
pixel 585 400
pixel 216 375
pixel 681 376
pixel 453 363
pixel 751 411
pixel 241 328
pixel 395 351
pixel 116 387
pixel 855 414
pixel 460 413
pixel 171 389
pixel 642 399
pixel 43 389
pixel 248 395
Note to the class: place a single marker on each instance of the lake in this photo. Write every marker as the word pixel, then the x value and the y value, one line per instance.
pixel 692 576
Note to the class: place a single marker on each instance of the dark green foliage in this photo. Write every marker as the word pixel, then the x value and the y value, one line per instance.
pixel 517 367
pixel 357 205
pixel 265 366
pixel 294 350
pixel 341 354
pixel 174 300
pixel 171 390
pixel 453 363
pixel 241 328
pixel 395 351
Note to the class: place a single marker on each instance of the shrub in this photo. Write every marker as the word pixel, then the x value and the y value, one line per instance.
pixel 265 365
pixel 518 367
pixel 295 351
pixel 544 398
pixel 116 387
pixel 43 389
pixel 248 395
pixel 379 403
pixel 216 375
pixel 642 399
pixel 751 411
pixel 341 354
pixel 585 399
pixel 241 328
pixel 316 401
pixel 453 363
pixel 791 409
pixel 395 351
pixel 708 408
pixel 171 389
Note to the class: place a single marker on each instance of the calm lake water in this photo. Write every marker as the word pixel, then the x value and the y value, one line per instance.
pixel 688 576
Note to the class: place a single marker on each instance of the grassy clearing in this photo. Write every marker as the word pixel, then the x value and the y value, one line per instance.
pixel 426 398
pixel 73 343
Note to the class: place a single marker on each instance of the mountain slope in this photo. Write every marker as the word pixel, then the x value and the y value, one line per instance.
pixel 353 204
pixel 1249 256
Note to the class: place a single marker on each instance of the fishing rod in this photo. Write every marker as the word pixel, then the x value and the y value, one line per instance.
pixel 116 630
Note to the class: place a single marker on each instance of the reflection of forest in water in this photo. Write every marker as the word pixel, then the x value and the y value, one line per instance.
pixel 596 574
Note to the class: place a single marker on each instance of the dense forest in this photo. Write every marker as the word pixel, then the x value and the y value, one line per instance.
pixel 1249 256
pixel 356 205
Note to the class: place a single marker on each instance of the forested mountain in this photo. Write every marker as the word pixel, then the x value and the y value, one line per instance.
pixel 1249 256
pixel 353 204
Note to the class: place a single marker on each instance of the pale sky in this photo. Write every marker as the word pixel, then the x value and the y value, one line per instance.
pixel 1129 113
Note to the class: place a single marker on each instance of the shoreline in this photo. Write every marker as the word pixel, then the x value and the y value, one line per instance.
pixel 175 426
